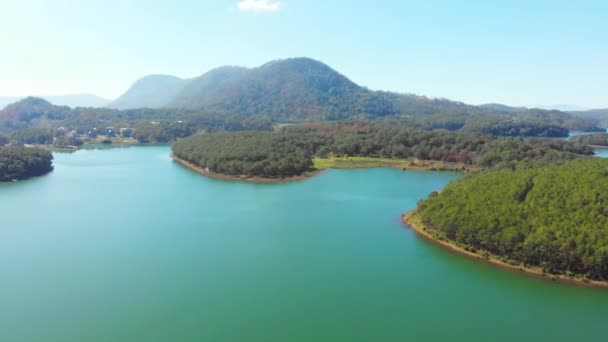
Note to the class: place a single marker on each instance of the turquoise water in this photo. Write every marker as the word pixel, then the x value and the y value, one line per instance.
pixel 601 152
pixel 576 133
pixel 124 245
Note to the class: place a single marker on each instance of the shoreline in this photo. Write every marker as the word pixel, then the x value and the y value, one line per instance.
pixel 242 178
pixel 353 163
pixel 412 221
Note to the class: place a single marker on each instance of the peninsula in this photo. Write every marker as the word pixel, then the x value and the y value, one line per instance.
pixel 549 221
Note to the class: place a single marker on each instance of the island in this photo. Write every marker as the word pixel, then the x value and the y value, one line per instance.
pixel 20 162
pixel 550 221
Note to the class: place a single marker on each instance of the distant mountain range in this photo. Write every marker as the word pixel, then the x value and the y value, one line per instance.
pixel 289 89
pixel 73 100
pixel 303 89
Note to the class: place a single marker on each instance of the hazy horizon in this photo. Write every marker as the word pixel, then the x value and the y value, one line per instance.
pixel 515 53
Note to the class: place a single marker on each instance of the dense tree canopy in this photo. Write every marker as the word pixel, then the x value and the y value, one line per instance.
pixel 514 128
pixel 247 153
pixel 19 162
pixel 555 217
pixel 222 152
pixel 598 139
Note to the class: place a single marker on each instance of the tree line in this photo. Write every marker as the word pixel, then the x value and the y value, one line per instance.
pixel 40 120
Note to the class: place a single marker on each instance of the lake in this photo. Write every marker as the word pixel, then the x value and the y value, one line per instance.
pixel 123 244
pixel 601 152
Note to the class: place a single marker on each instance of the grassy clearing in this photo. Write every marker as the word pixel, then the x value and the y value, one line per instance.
pixel 403 164
pixel 358 162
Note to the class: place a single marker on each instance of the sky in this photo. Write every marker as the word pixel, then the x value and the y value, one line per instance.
pixel 521 53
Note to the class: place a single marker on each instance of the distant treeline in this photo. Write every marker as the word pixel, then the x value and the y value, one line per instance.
pixel 555 217
pixel 288 152
pixel 19 162
pixel 36 121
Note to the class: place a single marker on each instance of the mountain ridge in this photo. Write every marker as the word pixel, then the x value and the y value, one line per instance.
pixel 151 91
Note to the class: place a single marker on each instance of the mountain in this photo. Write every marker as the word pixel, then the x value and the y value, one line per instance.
pixel 153 91
pixel 304 89
pixel 199 91
pixel 290 89
pixel 70 100
pixel 29 112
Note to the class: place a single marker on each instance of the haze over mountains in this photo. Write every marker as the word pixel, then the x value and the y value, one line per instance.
pixel 152 91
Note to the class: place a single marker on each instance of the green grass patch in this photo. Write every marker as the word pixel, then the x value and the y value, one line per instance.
pixel 402 164
pixel 359 162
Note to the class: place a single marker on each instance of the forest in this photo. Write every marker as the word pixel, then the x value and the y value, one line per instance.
pixel 597 139
pixel 261 154
pixel 285 151
pixel 19 162
pixel 36 121
pixel 554 217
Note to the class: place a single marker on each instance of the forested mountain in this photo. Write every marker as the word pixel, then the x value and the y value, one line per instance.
pixel 27 112
pixel 298 89
pixel 303 89
pixel 18 162
pixel 152 91
pixel 554 217
pixel 71 100
pixel 281 153
pixel 201 90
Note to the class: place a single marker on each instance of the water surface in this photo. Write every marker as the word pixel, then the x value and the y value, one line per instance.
pixel 125 245
pixel 601 152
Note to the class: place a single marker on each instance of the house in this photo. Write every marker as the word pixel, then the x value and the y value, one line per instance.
pixel 126 132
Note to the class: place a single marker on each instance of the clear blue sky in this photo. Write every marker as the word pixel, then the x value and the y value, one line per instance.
pixel 513 52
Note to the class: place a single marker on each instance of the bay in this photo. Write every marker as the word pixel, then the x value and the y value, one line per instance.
pixel 123 244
